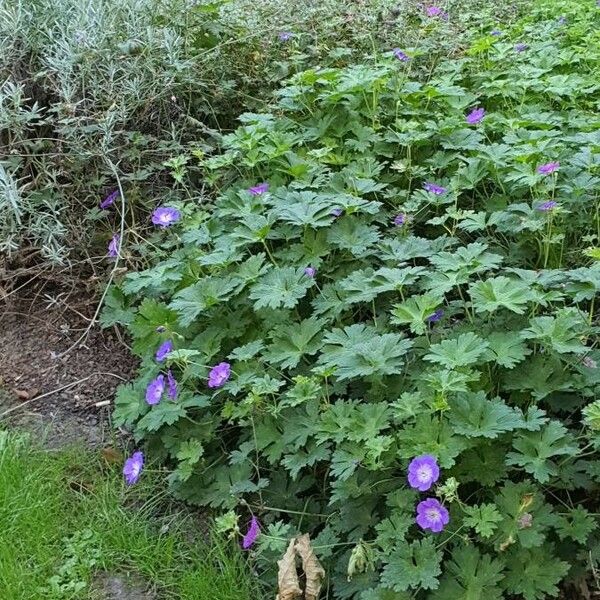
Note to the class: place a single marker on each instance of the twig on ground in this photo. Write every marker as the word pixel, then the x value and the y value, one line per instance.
pixel 59 389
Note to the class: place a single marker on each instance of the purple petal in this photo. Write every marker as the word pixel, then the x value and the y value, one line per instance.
pixel 432 515
pixel 433 188
pixel 401 56
pixel 548 168
pixel 133 467
pixel 400 219
pixel 163 350
pixel 475 116
pixel 435 316
pixel 251 535
pixel 165 216
pixel 219 374
pixel 310 272
pixel 172 386
pixel 109 200
pixel 259 189
pixel 155 390
pixel 113 246
pixel 423 472
pixel 547 206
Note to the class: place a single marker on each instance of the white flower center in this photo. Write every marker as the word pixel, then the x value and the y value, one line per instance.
pixel 433 514
pixel 424 473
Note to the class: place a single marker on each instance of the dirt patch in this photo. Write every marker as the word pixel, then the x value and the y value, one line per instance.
pixel 66 396
pixel 109 586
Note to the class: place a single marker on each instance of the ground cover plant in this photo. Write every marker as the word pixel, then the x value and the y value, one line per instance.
pixel 67 516
pixel 384 332
pixel 100 94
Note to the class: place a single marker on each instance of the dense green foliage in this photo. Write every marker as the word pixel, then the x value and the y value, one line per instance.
pixel 95 91
pixel 66 516
pixel 341 378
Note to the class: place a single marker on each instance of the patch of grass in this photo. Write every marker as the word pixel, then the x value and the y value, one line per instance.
pixel 66 516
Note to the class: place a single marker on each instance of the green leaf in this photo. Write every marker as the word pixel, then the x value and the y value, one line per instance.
pixel 464 350
pixel 484 518
pixel 352 235
pixel 201 296
pixel 507 348
pixel 247 351
pixel 392 530
pixel 304 209
pixel 383 593
pixel 115 310
pixel 473 415
pixel 534 574
pixel 469 259
pixel 561 333
pixel 280 287
pixel 163 276
pixel 164 413
pixel 356 351
pixel 526 518
pixel 576 525
pixel 303 390
pixel 415 566
pixel 500 292
pixel 414 312
pixel 292 341
pixel 430 435
pixel 469 575
pixel 535 449
pixel 365 285
pixel 129 405
pixel 308 457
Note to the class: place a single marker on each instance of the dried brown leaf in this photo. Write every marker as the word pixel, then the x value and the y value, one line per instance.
pixel 287 577
pixel 313 570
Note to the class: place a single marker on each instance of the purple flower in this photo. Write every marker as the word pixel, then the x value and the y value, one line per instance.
pixel 496 33
pixel 251 535
pixel 435 316
pixel 164 216
pixel 113 246
pixel 219 374
pixel 132 468
pixel 109 200
pixel 285 36
pixel 521 47
pixel 548 168
pixel 423 472
pixel 432 515
pixel 547 206
pixel 171 385
pixel 476 116
pixel 163 350
pixel 434 11
pixel 337 212
pixel 155 390
pixel 562 20
pixel 400 55
pixel 433 188
pixel 259 189
pixel 400 219
pixel 310 272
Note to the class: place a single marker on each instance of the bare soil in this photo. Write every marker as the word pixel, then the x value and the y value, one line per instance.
pixel 66 396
